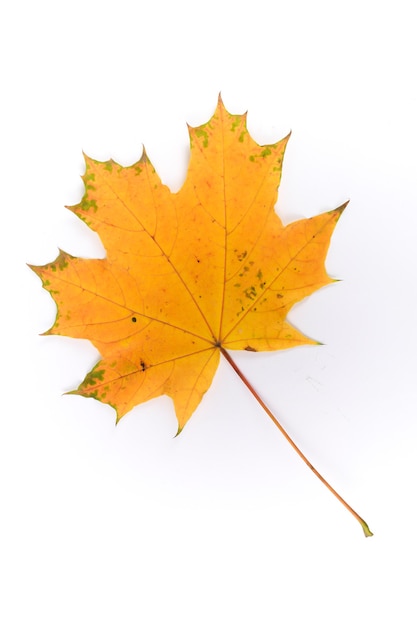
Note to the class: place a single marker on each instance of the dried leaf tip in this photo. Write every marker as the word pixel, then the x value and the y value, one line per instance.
pixel 144 157
pixel 342 207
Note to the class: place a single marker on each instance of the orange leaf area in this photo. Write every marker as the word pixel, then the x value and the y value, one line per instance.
pixel 187 274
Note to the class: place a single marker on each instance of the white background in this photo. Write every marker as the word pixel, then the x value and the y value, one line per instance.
pixel 224 525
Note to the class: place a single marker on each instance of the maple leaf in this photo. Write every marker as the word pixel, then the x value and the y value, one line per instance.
pixel 187 275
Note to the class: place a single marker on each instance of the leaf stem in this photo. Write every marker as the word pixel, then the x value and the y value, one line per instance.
pixel 243 378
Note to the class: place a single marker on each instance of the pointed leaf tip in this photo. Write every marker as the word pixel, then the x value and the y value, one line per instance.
pixel 179 431
pixel 144 157
pixel 342 207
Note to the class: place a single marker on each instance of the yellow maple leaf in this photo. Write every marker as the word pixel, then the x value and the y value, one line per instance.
pixel 188 275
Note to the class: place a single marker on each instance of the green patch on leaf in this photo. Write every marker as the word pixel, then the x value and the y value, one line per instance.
pixel 235 123
pixel 88 205
pixel 250 292
pixel 93 378
pixel 201 133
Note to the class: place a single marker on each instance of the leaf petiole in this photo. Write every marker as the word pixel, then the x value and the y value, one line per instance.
pixel 364 525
